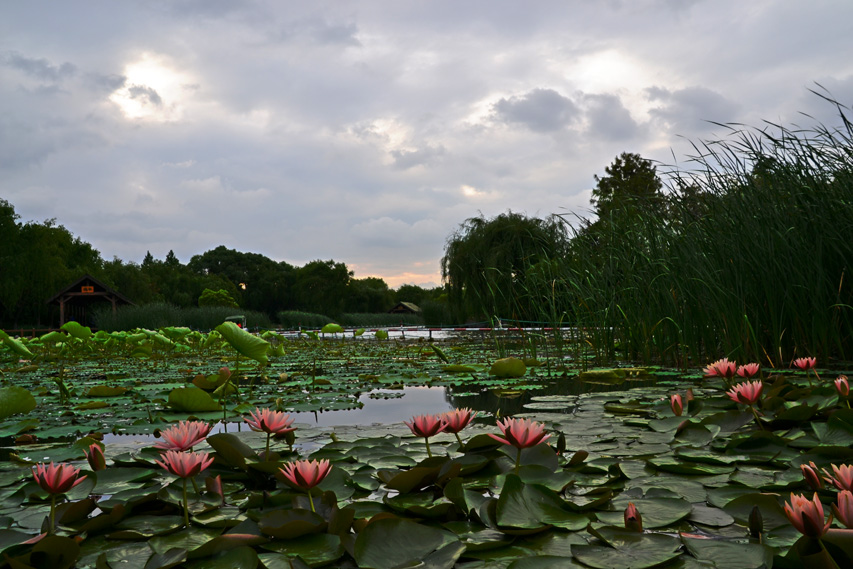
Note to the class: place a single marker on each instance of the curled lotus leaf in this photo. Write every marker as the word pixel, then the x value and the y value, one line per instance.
pixel 508 367
pixel 332 328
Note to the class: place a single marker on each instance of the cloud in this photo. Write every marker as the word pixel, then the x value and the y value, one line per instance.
pixel 688 111
pixel 540 110
pixel 40 68
pixel 608 118
pixel 145 94
pixel 405 159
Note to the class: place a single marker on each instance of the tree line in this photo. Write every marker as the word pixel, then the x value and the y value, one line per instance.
pixel 38 259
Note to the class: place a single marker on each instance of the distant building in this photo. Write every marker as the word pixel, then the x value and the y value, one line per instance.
pixel 77 298
pixel 405 308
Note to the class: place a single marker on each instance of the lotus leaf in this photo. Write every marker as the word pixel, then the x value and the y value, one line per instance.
pixel 15 400
pixel 245 343
pixel 192 400
pixel 508 367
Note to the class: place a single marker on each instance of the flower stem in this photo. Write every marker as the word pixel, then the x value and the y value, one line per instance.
pixel 429 453
pixel 186 507
pixel 52 514
pixel 267 451
pixel 311 501
pixel 461 444
pixel 517 461
pixel 757 420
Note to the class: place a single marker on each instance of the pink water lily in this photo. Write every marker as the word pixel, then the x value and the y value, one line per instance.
pixel 456 420
pixel 807 515
pixel 426 426
pixel 185 465
pixel 183 436
pixel 56 479
pixel 844 510
pixel 95 457
pixel 812 476
pixel 748 371
pixel 306 474
pixel 805 363
pixel 721 368
pixel 633 519
pixel 842 385
pixel 677 405
pixel 520 433
pixel 748 392
pixel 270 422
pixel 843 479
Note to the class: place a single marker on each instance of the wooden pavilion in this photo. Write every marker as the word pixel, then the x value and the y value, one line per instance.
pixel 405 308
pixel 76 298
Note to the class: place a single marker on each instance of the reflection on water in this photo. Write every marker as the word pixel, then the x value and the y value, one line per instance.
pixel 432 400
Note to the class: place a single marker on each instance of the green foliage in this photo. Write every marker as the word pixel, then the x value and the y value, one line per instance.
pixel 486 262
pixel 159 315
pixel 216 298
pixel 296 319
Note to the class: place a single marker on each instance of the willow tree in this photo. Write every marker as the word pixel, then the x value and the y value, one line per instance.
pixel 486 264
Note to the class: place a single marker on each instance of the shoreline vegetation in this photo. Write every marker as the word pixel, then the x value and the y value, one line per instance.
pixel 742 252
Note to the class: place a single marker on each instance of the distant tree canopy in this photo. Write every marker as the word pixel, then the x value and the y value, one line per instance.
pixel 39 259
pixel 486 262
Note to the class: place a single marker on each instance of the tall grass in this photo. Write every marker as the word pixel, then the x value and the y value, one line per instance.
pixel 751 258
pixel 157 315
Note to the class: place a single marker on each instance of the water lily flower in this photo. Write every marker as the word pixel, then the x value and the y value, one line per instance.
pixel 306 474
pixel 95 457
pixel 748 392
pixel 721 368
pixel 185 465
pixel 676 404
pixel 270 422
pixel 56 479
pixel 844 510
pixel 842 385
pixel 520 433
pixel 807 515
pixel 426 426
pixel 633 519
pixel 811 476
pixel 843 479
pixel 183 436
pixel 805 363
pixel 748 371
pixel 456 420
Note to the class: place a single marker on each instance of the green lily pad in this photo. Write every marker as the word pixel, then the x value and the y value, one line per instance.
pixel 192 400
pixel 394 542
pixel 15 400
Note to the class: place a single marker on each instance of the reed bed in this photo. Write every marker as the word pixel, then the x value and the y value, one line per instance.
pixel 749 259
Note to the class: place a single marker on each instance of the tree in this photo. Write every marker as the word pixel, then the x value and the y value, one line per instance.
pixel 370 294
pixel 486 261
pixel 321 286
pixel 631 183
pixel 216 298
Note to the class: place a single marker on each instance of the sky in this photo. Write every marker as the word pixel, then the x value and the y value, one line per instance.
pixel 368 131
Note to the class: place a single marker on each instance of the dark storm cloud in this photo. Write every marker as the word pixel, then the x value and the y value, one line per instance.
pixel 40 68
pixel 540 110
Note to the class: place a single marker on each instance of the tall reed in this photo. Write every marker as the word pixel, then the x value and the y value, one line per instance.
pixel 750 259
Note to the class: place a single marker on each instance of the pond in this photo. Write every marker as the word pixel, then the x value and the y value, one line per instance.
pixel 620 481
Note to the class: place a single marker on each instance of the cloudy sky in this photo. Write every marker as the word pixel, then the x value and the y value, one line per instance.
pixel 367 131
